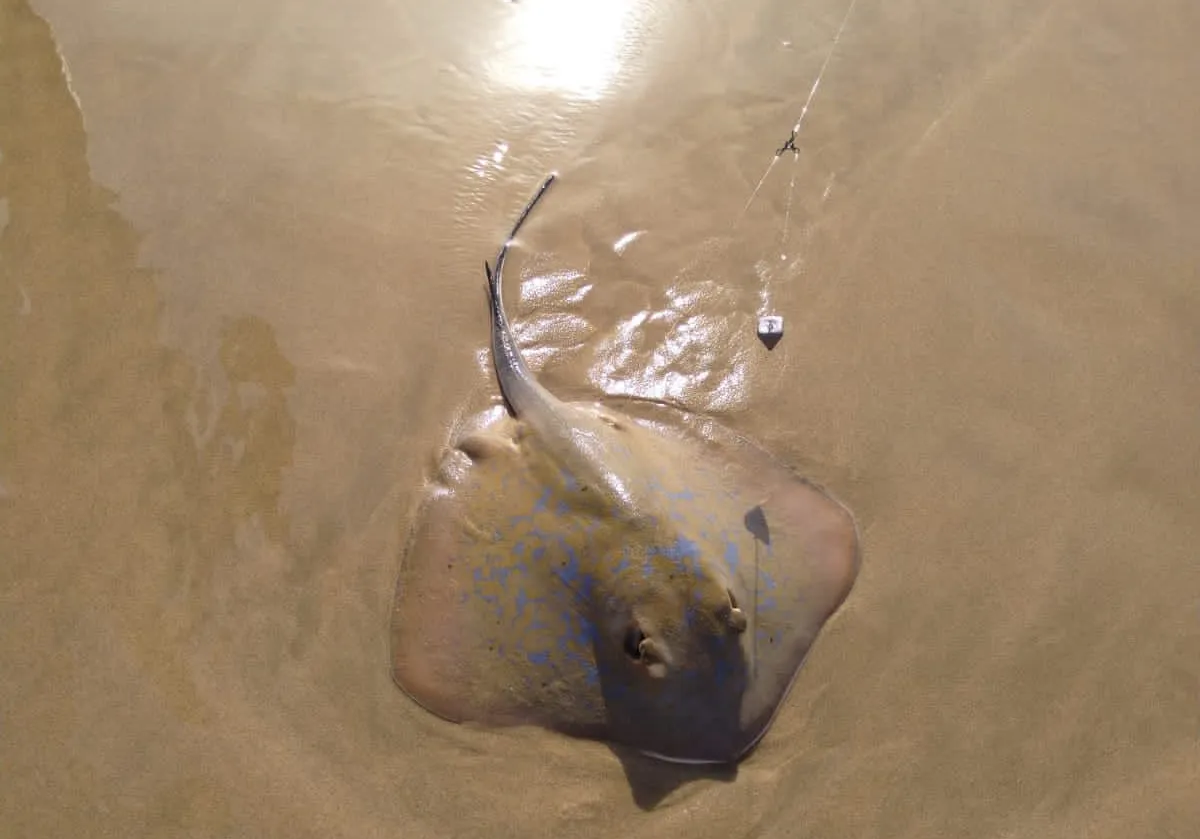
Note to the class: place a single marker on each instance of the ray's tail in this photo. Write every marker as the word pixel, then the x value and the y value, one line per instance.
pixel 516 381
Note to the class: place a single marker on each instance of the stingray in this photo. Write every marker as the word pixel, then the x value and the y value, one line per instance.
pixel 646 577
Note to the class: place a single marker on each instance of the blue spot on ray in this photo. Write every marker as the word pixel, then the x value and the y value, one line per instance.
pixel 623 564
pixel 522 600
pixel 538 626
pixel 568 480
pixel 683 552
pixel 733 556
pixel 591 673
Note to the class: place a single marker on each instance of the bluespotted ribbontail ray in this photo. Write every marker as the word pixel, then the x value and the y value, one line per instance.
pixel 651 582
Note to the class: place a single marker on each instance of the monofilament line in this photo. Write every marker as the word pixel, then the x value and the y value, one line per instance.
pixel 790 143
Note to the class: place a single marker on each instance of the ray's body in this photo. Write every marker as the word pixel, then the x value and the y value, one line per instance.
pixel 602 576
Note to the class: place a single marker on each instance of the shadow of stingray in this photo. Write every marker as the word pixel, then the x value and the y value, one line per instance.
pixel 651 780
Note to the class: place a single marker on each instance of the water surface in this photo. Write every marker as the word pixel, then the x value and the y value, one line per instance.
pixel 241 304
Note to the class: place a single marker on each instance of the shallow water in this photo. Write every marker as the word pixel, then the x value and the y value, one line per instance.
pixel 241 303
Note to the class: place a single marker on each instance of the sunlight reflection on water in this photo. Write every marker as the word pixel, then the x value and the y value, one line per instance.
pixel 570 47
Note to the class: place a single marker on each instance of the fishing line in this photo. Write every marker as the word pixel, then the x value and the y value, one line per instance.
pixel 790 143
pixel 770 325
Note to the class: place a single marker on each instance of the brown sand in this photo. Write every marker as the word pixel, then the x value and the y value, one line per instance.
pixel 241 302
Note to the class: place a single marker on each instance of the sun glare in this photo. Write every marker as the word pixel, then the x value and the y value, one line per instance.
pixel 571 46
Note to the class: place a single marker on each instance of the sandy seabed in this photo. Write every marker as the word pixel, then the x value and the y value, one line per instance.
pixel 241 305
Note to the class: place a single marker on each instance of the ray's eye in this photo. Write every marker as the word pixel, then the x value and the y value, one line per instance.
pixel 735 617
pixel 633 643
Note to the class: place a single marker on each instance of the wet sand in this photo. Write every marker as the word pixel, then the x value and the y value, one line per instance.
pixel 241 304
